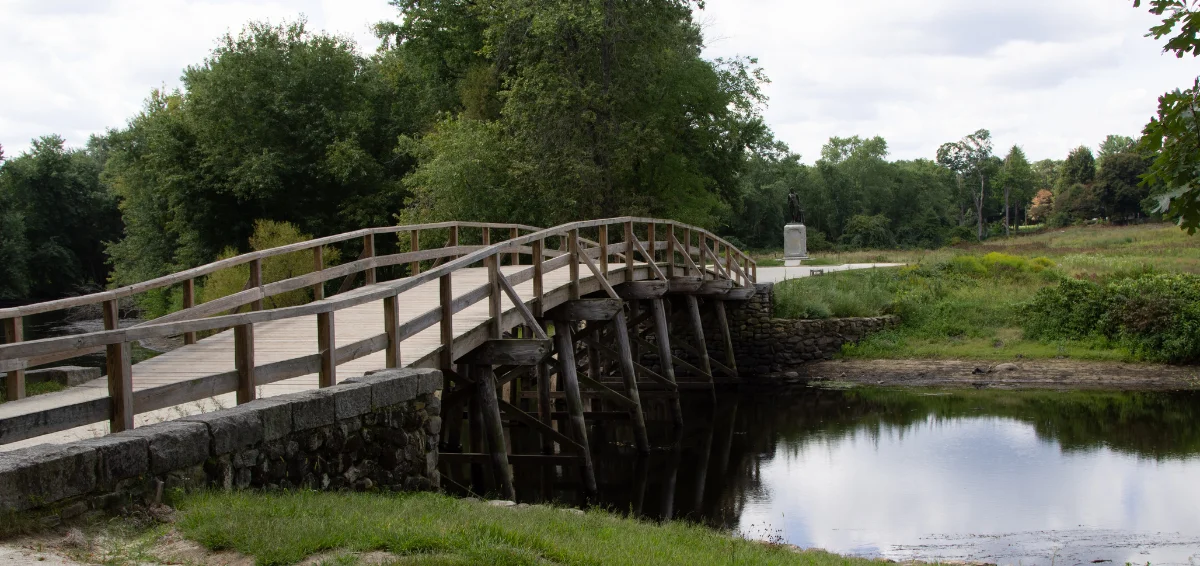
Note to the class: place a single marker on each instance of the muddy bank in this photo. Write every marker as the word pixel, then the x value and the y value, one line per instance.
pixel 1025 374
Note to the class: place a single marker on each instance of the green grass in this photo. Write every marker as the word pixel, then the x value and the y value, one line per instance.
pixel 32 389
pixel 283 528
pixel 979 317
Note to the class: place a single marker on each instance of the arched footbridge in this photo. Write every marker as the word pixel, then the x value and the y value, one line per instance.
pixel 546 329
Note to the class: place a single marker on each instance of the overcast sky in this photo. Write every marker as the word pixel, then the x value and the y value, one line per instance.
pixel 1048 76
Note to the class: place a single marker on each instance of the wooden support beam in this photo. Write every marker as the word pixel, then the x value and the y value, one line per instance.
pixel 318 288
pixel 718 366
pixel 573 243
pixel 14 381
pixel 723 320
pixel 603 231
pixel 629 375
pixel 687 254
pixel 565 346
pixel 670 238
pixel 255 281
pixel 629 238
pixel 538 273
pixel 698 332
pixel 120 374
pixel 685 284
pixel 446 301
pixel 189 301
pixel 740 293
pixel 662 335
pixel 649 261
pixel 459 458
pixel 715 288
pixel 515 256
pixel 524 352
pixel 638 290
pixel 243 360
pixel 414 245
pixel 368 252
pixel 601 277
pixel 519 303
pixel 545 407
pixel 586 309
pixel 495 329
pixel 391 326
pixel 326 347
pixel 531 421
pixel 485 383
pixel 594 344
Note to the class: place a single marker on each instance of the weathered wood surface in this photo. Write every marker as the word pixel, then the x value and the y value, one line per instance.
pixel 296 348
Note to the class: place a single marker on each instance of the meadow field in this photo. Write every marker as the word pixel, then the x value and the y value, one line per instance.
pixel 981 301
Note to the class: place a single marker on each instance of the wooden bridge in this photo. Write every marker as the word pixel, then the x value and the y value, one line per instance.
pixel 546 330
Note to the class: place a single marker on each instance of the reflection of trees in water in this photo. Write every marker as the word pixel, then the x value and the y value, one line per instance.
pixel 716 469
pixel 1155 425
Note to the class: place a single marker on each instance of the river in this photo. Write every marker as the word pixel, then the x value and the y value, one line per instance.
pixel 1004 477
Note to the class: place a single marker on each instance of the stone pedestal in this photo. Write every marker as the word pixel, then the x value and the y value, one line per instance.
pixel 795 244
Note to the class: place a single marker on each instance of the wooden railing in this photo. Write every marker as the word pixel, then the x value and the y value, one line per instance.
pixel 670 249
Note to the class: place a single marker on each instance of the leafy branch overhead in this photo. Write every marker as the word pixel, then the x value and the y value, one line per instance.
pixel 1175 133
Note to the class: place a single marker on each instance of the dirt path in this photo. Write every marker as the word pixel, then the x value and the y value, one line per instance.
pixel 1039 374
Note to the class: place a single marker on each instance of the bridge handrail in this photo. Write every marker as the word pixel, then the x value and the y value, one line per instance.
pixel 209 268
pixel 13 355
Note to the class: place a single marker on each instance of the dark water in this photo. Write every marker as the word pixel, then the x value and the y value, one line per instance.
pixel 1028 478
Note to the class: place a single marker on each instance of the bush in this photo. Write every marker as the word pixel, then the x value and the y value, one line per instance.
pixel 268 234
pixel 1157 316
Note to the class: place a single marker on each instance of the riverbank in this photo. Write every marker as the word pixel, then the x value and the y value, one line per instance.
pixel 1021 374
pixel 380 528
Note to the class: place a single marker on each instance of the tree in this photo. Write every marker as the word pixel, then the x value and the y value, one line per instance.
pixel 277 124
pixel 1041 206
pixel 1119 184
pixel 968 158
pixel 55 216
pixel 1078 169
pixel 1174 134
pixel 1112 145
pixel 1017 179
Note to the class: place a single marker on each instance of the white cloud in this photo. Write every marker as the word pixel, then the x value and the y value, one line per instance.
pixel 1046 75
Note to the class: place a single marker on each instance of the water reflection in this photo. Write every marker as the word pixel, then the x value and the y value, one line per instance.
pixel 1031 477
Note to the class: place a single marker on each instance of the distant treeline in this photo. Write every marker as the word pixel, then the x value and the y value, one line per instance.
pixel 490 110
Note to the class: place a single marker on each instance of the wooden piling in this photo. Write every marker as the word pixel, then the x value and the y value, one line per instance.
pixel 565 346
pixel 701 345
pixel 664 354
pixel 243 358
pixel 485 386
pixel 629 376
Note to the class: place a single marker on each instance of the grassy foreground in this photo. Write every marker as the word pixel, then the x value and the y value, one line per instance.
pixel 285 528
pixel 954 309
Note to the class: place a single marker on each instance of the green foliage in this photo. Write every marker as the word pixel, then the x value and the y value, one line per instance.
pixel 268 234
pixel 573 111
pixel 1078 169
pixel 1174 134
pixel 55 216
pixel 277 123
pixel 864 231
pixel 1157 316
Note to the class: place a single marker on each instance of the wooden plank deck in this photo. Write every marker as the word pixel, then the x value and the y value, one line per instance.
pixel 286 339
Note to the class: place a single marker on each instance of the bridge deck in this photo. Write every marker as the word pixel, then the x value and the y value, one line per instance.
pixel 281 340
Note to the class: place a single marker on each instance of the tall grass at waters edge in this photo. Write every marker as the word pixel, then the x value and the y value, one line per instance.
pixel 283 528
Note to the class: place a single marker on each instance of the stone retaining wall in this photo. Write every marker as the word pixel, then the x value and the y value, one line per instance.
pixel 764 345
pixel 377 431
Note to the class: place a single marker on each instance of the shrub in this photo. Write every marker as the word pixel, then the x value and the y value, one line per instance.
pixel 968 265
pixel 1157 316
pixel 268 234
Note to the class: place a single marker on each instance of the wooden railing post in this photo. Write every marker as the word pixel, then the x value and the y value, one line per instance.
pixel 120 374
pixel 493 268
pixel 452 241
pixel 327 347
pixel 256 281
pixel 650 242
pixel 629 251
pixel 687 249
pixel 243 360
pixel 391 324
pixel 189 301
pixel 670 251
pixel 573 246
pixel 446 301
pixel 515 256
pixel 414 244
pixel 603 236
pixel 538 272
pixel 14 381
pixel 703 241
pixel 318 265
pixel 369 252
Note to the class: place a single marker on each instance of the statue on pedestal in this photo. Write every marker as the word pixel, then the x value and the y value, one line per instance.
pixel 795 244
